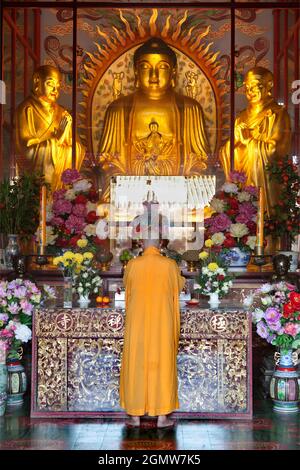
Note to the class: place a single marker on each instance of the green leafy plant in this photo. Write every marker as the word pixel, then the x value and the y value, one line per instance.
pixel 285 220
pixel 20 205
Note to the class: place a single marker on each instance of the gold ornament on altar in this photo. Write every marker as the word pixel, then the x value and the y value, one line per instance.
pixel 154 131
pixel 262 134
pixel 44 130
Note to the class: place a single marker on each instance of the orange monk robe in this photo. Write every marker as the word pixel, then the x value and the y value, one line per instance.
pixel 148 382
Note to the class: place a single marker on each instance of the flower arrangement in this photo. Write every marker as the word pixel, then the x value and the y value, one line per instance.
pixel 233 222
pixel 286 216
pixel 87 281
pixel 79 266
pixel 214 277
pixel 18 299
pixel 73 214
pixel 275 311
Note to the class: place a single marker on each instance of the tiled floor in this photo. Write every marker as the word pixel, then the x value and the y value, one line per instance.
pixel 267 431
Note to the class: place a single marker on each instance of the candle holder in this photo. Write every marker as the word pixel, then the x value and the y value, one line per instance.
pixel 259 259
pixel 41 259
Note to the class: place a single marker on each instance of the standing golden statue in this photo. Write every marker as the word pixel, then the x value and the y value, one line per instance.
pixel 262 133
pixel 154 130
pixel 44 129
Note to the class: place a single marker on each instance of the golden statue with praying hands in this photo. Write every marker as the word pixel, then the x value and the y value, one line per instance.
pixel 43 130
pixel 154 130
pixel 262 134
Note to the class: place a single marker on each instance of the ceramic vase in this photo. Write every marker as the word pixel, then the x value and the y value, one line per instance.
pixel 16 383
pixel 236 259
pixel 84 301
pixel 284 385
pixel 214 300
pixel 11 250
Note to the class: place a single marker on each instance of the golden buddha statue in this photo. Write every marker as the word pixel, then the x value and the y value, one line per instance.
pixel 262 133
pixel 44 130
pixel 154 130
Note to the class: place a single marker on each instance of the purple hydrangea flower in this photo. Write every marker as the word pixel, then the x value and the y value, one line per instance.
pixel 272 315
pixel 237 177
pixel 75 224
pixel 69 176
pixel 262 330
pixel 61 206
pixel 79 210
pixel 219 223
pixel 251 190
pixel 59 194
pixel 248 209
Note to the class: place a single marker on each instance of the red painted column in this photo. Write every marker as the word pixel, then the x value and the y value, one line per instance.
pixel 296 77
pixel 74 88
pixel 37 36
pixel 276 61
pixel 25 53
pixel 285 59
pixel 12 166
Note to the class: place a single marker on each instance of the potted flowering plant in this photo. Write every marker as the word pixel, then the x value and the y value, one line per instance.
pixel 232 225
pixel 18 299
pixel 214 279
pixel 275 310
pixel 73 213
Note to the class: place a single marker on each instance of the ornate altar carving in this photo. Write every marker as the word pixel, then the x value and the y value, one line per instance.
pixel 77 362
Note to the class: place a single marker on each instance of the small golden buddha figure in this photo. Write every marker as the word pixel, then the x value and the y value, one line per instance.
pixel 176 144
pixel 44 129
pixel 262 133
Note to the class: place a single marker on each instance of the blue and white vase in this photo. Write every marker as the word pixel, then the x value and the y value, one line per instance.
pixel 284 385
pixel 235 258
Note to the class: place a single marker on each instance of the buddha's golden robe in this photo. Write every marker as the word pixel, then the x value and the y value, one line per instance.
pixel 37 147
pixel 179 148
pixel 148 382
pixel 270 139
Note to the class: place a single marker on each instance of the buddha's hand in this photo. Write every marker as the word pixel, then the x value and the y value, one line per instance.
pixel 241 133
pixel 65 125
pixel 65 121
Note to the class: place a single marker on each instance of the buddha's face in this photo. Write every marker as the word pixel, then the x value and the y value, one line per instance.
pixel 154 73
pixel 48 87
pixel 257 88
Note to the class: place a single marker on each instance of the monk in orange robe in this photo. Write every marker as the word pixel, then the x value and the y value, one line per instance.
pixel 148 382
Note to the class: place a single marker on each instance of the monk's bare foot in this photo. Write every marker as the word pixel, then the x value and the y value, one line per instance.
pixel 164 422
pixel 133 421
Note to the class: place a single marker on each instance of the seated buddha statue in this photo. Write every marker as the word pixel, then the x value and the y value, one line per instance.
pixel 43 130
pixel 262 134
pixel 154 130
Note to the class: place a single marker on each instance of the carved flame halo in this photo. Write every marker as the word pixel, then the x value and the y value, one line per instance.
pixel 189 41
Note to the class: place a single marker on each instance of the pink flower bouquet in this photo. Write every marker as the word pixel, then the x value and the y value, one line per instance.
pixel 275 311
pixel 18 299
pixel 73 213
pixel 233 222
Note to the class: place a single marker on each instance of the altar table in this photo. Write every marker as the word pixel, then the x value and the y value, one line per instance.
pixel 76 363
